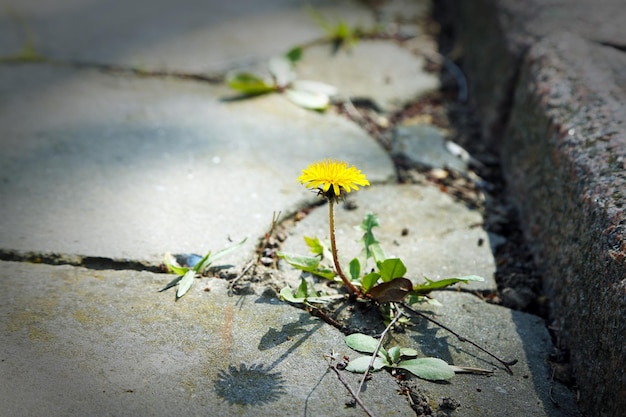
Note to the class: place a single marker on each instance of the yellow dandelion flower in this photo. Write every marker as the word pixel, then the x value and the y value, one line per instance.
pixel 333 178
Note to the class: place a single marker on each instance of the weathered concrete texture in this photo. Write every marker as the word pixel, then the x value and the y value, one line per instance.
pixel 377 70
pixel 78 342
pixel 566 153
pixel 501 394
pixel 199 36
pixel 425 146
pixel 442 238
pixel 121 167
pixel 495 34
pixel 563 146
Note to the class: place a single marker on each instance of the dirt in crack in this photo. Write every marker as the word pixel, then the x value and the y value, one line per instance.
pixel 89 262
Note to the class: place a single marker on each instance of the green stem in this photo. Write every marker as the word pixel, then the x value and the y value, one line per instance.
pixel 333 248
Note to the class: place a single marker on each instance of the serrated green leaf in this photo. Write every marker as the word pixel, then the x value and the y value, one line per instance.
pixel 308 99
pixel 361 364
pixel 185 283
pixel 355 269
pixel 431 285
pixel 324 273
pixel 305 291
pixel 377 252
pixel 250 84
pixel 369 280
pixel 432 369
pixel 302 291
pixel 369 222
pixel 299 261
pixel 471 278
pixel 286 294
pixel 314 244
pixel 364 343
pixel 391 268
pixel 308 264
pixel 370 244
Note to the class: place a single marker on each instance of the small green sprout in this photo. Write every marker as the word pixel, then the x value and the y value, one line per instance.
pixel 385 283
pixel 186 274
pixel 28 51
pixel 312 95
pixel 339 32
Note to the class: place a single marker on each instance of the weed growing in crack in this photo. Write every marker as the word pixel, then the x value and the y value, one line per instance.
pixel 386 283
pixel 313 95
pixel 195 267
pixel 308 94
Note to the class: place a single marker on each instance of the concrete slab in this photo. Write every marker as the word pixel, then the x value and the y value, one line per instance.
pixel 377 70
pixel 425 146
pixel 201 36
pixel 509 334
pixel 80 342
pixel 84 342
pixel 442 238
pixel 120 167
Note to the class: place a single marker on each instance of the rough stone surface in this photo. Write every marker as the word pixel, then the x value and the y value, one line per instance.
pixel 500 393
pixel 549 83
pixel 79 342
pixel 566 152
pixel 367 70
pixel 201 36
pixel 151 166
pixel 121 348
pixel 447 247
pixel 425 146
pixel 496 34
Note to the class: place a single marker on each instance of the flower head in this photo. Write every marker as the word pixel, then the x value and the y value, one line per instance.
pixel 333 178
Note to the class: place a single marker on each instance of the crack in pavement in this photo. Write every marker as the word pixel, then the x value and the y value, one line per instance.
pixel 89 262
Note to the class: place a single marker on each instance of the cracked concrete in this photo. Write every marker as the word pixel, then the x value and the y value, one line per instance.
pixel 116 167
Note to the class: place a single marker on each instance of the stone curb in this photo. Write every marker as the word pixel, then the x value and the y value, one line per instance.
pixel 553 102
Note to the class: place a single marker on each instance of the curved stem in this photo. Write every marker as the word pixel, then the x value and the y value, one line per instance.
pixel 333 248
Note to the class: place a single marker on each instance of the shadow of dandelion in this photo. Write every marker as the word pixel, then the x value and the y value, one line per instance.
pixel 249 385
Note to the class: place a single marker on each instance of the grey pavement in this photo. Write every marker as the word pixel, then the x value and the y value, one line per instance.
pixel 124 167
